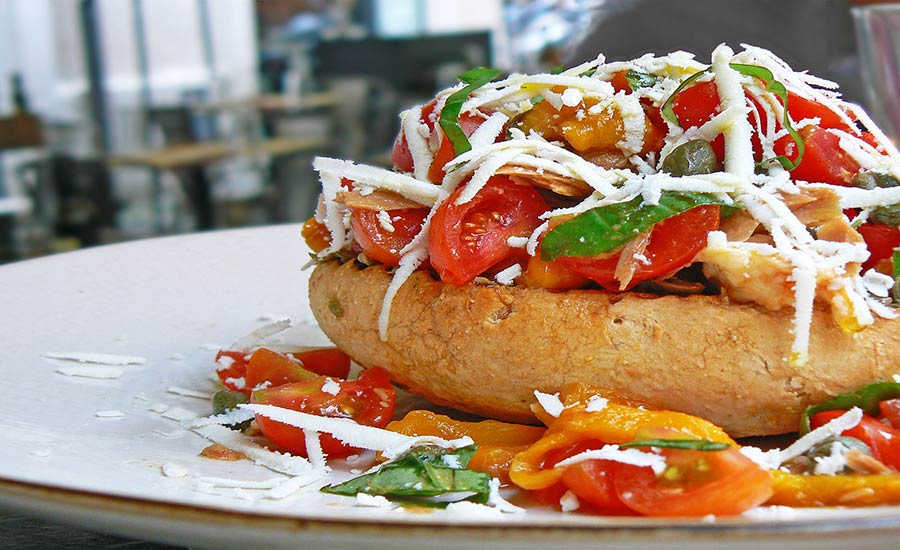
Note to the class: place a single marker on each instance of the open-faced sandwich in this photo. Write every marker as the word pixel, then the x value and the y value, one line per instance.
pixel 716 239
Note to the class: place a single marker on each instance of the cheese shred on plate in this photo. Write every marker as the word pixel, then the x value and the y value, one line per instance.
pixel 785 240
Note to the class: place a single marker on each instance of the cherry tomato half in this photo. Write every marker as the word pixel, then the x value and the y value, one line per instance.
pixel 890 409
pixel 369 400
pixel 466 239
pixel 381 242
pixel 882 439
pixel 242 371
pixel 881 240
pixel 694 483
pixel 673 244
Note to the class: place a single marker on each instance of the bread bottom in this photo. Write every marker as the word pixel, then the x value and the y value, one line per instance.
pixel 485 349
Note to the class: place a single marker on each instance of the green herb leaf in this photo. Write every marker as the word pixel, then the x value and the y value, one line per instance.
pixel 449 121
pixel 637 79
pixel 866 398
pixel 779 90
pixel 557 70
pixel 420 475
pixel 606 228
pixel 689 444
pixel 895 261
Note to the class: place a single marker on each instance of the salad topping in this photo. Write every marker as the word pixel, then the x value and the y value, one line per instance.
pixel 626 174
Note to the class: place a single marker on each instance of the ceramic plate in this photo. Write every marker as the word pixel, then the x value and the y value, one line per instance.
pixel 92 451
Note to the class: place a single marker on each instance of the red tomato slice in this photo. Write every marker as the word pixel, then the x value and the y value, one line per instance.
pixel 592 482
pixel 400 155
pixel 884 440
pixel 823 161
pixel 231 368
pixel 881 240
pixel 469 123
pixel 890 409
pixel 325 361
pixel 242 371
pixel 368 400
pixel 695 483
pixel 270 366
pixel 673 244
pixel 377 241
pixel 467 239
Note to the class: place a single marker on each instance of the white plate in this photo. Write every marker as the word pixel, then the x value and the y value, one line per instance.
pixel 173 301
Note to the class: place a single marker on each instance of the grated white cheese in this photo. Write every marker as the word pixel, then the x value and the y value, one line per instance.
pixel 189 393
pixel 92 371
pixel 569 502
pixel 331 386
pixel 259 335
pixel 633 457
pixel 391 444
pixel 774 458
pixel 596 403
pixel 508 275
pixel 174 469
pixel 95 358
pixel 550 403
pixel 109 414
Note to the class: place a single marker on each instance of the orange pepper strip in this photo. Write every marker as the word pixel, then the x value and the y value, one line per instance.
pixel 498 442
pixel 613 424
pixel 839 490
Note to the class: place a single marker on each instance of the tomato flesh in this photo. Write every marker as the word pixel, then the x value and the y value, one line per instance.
pixel 890 409
pixel 380 242
pixel 882 439
pixel 592 482
pixel 369 400
pixel 694 483
pixel 673 244
pixel 269 367
pixel 881 240
pixel 231 367
pixel 467 239
pixel 824 161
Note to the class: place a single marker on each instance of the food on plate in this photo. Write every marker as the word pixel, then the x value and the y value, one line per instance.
pixel 713 239
pixel 596 453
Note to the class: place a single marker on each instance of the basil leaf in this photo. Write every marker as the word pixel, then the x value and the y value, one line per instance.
pixel 637 79
pixel 421 474
pixel 606 228
pixel 449 121
pixel 689 444
pixel 866 398
pixel 895 262
pixel 779 90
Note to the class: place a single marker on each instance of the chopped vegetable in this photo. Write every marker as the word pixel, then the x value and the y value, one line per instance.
pixel 637 79
pixel 421 475
pixel 866 398
pixel 606 228
pixel 449 121
pixel 687 444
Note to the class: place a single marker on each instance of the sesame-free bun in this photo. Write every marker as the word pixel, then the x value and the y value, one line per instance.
pixel 485 348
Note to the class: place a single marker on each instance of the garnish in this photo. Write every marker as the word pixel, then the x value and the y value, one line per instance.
pixel 895 267
pixel 420 475
pixel 449 121
pixel 688 444
pixel 780 91
pixel 772 85
pixel 605 228
pixel 866 398
pixel 667 111
pixel 637 79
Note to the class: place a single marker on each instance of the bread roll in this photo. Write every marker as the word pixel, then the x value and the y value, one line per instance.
pixel 485 349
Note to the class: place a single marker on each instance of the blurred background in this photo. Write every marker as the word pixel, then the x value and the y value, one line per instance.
pixel 124 119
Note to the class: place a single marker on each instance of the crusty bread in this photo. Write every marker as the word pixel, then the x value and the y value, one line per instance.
pixel 484 349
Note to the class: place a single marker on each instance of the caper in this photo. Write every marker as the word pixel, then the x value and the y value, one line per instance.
pixel 823 448
pixel 226 400
pixel 873 180
pixel 886 215
pixel 691 158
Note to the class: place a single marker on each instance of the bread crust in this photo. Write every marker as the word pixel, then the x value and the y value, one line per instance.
pixel 485 348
